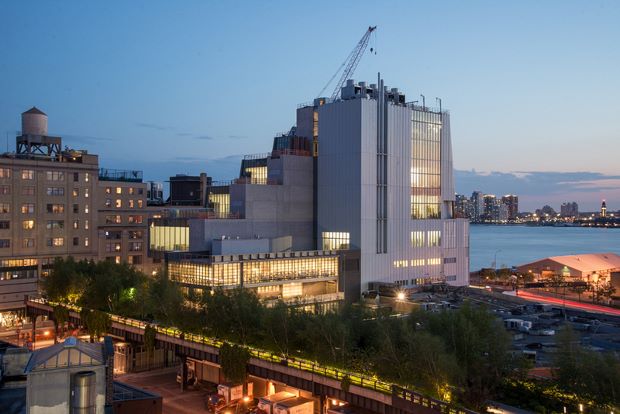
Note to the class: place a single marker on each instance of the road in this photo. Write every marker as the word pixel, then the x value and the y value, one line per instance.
pixel 588 307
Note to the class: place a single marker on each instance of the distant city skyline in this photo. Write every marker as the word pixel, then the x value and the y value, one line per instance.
pixel 531 86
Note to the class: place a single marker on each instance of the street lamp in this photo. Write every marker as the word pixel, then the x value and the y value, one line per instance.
pixel 495 259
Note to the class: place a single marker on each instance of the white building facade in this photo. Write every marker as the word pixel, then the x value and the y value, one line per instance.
pixel 385 187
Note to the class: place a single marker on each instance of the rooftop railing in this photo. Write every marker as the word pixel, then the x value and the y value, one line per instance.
pixel 108 174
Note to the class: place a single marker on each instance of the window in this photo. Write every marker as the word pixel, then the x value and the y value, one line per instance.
pixel 55 176
pixel 76 241
pixel 113 235
pixel 112 247
pixel 5 189
pixel 108 202
pixel 140 203
pixel 76 192
pixel 55 191
pixel 334 240
pixel 449 260
pixel 434 238
pixel 56 208
pixel 118 203
pixel 27 174
pixel 140 191
pixel 426 165
pixel 135 234
pixel 86 242
pixel 28 224
pixel 76 177
pixel 28 242
pixel 85 224
pixel 136 260
pixel 119 190
pixel 55 242
pixel 5 208
pixel 131 203
pixel 5 173
pixel 86 209
pixel 76 224
pixel 28 208
pixel 76 208
pixel 135 246
pixel 417 239
pixel 87 177
pixel 113 219
pixel 5 224
pixel 131 190
pixel 86 192
pixel 28 190
pixel 134 219
pixel 434 261
pixel 108 190
pixel 5 243
pixel 55 224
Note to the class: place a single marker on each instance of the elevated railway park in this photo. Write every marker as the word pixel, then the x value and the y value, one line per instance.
pixel 367 392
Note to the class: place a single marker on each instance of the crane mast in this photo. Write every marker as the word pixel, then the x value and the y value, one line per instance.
pixel 350 64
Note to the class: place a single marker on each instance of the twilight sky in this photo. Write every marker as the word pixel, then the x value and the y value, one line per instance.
pixel 532 86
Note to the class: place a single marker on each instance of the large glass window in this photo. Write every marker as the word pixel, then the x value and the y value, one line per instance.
pixel 335 240
pixel 434 238
pixel 426 165
pixel 417 239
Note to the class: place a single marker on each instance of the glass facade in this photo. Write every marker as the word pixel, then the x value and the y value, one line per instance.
pixel 426 165
pixel 335 240
pixel 221 204
pixel 258 175
pixel 262 271
pixel 164 238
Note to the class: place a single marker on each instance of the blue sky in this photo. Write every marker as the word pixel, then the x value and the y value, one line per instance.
pixel 532 86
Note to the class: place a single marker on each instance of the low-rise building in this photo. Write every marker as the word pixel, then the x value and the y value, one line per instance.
pixel 592 267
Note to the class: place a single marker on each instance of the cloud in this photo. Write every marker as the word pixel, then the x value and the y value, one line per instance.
pixel 237 137
pixel 204 137
pixel 154 126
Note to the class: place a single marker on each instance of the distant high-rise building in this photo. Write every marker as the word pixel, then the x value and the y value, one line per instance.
pixel 477 201
pixel 512 204
pixel 489 207
pixel 603 209
pixel 463 207
pixel 569 209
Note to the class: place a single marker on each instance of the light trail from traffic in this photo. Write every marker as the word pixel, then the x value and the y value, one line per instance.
pixel 568 303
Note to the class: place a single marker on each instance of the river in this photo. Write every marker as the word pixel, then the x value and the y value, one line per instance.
pixel 516 245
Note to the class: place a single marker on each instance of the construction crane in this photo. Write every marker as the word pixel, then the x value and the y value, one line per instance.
pixel 350 64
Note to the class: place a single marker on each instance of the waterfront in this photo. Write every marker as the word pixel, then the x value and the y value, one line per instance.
pixel 522 244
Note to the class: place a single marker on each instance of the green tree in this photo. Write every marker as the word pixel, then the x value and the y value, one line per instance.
pixel 606 290
pixel 97 323
pixel 557 281
pixel 579 289
pixel 60 317
pixel 234 360
pixel 165 300
pixel 66 281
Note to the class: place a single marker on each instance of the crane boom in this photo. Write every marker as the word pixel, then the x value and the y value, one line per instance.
pixel 350 64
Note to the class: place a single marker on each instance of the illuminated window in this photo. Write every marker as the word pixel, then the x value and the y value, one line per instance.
pixel 113 219
pixel 55 242
pixel 28 242
pixel 5 173
pixel 131 203
pixel 131 190
pixel 28 224
pixel 86 192
pixel 108 202
pixel 417 239
pixel 27 174
pixel 119 190
pixel 55 208
pixel 418 262
pixel 333 240
pixel 426 165
pixel 258 175
pixel 108 190
pixel 5 208
pixel 401 263
pixel 118 203
pixel 140 203
pixel 434 261
pixel 86 242
pixel 87 177
pixel 434 238
pixel 290 290
pixel 221 204
pixel 28 208
pixel 86 224
pixel 134 219
pixel 86 208
pixel 76 192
